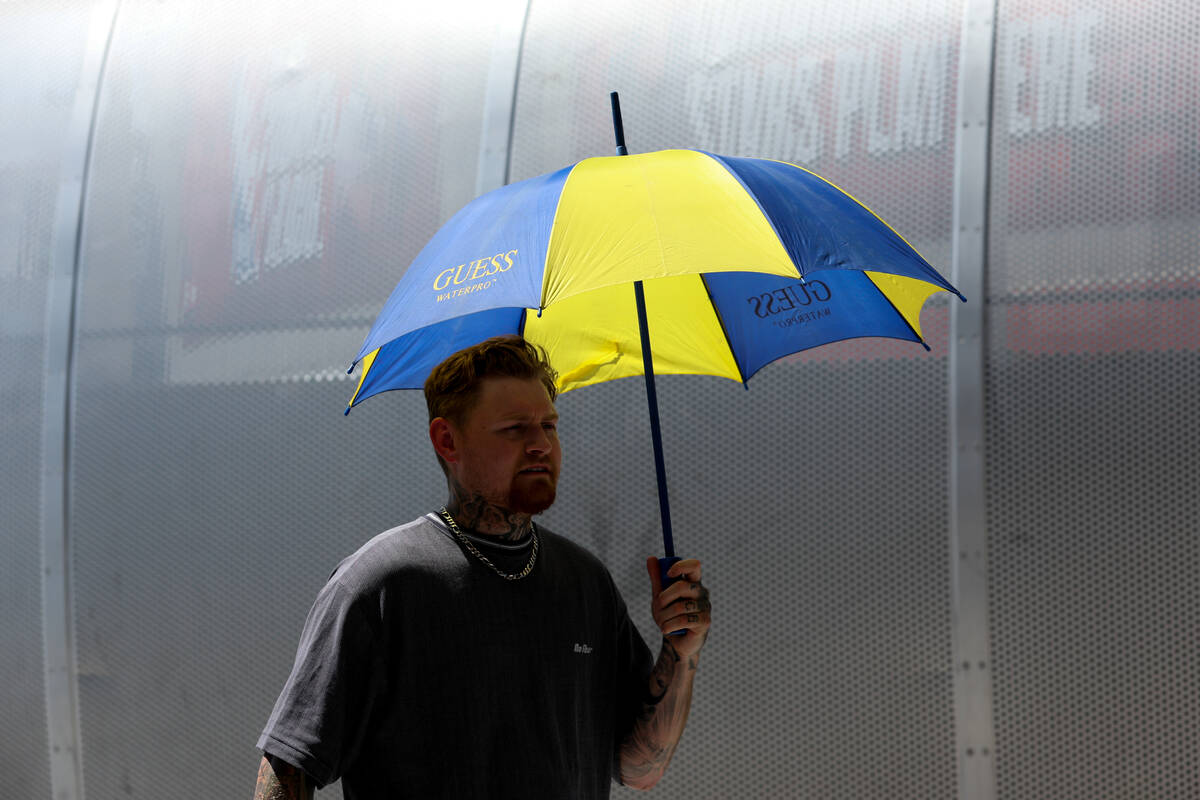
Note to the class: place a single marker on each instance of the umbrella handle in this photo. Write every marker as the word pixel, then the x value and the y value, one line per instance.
pixel 664 564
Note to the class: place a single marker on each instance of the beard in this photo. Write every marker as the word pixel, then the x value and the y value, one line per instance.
pixel 534 498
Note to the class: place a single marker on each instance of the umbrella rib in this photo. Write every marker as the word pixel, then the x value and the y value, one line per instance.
pixel 945 285
pixel 757 202
pixel 662 258
pixel 724 332
pixel 550 238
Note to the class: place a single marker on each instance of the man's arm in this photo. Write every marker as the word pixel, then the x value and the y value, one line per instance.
pixel 279 780
pixel 684 605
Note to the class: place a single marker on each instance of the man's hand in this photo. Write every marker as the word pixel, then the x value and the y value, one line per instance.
pixel 684 606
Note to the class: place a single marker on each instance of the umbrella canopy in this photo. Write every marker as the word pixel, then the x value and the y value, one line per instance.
pixel 742 261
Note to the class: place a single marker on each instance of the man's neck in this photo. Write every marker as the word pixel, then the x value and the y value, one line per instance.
pixel 472 513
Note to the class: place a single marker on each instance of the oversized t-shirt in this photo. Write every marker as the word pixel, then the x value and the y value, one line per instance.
pixel 422 673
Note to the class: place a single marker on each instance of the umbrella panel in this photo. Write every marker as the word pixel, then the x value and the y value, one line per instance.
pixel 727 324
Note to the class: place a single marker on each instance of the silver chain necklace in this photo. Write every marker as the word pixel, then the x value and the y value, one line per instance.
pixel 514 576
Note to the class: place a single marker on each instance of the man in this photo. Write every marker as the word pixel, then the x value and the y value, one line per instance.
pixel 472 653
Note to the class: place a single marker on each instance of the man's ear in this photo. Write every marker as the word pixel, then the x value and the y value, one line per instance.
pixel 444 437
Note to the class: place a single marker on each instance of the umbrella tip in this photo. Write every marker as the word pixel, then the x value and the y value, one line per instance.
pixel 960 295
pixel 927 347
pixel 346 413
pixel 351 369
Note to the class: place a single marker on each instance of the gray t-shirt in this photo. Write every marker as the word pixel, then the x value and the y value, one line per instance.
pixel 421 673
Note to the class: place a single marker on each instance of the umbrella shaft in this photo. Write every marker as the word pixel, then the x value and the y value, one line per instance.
pixel 664 506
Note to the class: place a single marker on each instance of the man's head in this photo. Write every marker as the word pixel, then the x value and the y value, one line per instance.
pixel 493 424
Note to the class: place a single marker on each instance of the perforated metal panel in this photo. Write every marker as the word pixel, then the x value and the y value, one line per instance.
pixel 1093 388
pixel 261 177
pixel 817 500
pixel 41 51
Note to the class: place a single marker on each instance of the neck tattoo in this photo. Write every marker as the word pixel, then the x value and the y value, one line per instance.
pixel 475 514
pixel 465 542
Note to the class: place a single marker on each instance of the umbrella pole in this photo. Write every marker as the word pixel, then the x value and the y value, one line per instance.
pixel 660 470
pixel 664 505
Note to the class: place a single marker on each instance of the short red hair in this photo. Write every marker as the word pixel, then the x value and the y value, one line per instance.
pixel 452 388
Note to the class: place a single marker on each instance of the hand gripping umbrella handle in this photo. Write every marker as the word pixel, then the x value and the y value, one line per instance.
pixel 664 564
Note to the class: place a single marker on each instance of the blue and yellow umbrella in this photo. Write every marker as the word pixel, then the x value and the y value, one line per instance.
pixel 742 261
pixel 672 262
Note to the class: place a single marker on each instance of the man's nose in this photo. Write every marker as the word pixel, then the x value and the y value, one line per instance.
pixel 538 441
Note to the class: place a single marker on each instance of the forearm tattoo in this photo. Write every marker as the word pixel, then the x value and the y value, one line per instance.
pixel 649 747
pixel 279 780
pixel 660 676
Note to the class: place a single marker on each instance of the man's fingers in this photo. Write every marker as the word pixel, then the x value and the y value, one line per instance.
pixel 684 605
pixel 681 590
pixel 688 569
pixel 655 578
pixel 698 621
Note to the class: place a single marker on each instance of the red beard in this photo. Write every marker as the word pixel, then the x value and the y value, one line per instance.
pixel 534 497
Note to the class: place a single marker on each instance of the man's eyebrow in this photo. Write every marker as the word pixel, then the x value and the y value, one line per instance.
pixel 551 417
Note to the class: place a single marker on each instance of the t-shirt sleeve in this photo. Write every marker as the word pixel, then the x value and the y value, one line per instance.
pixel 323 711
pixel 634 663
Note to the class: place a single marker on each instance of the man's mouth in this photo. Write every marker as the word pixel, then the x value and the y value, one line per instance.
pixel 536 469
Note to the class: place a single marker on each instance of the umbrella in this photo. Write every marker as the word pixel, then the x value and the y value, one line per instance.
pixel 671 262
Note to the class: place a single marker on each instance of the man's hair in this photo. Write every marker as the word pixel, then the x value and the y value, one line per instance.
pixel 453 387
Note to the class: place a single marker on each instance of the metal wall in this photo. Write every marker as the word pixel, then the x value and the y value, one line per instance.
pixel 1093 400
pixel 258 177
pixel 827 674
pixel 43 83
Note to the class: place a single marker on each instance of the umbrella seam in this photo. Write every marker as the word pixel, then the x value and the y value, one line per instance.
pixel 746 188
pixel 907 324
pixel 550 239
pixel 944 283
pixel 662 258
pixel 724 332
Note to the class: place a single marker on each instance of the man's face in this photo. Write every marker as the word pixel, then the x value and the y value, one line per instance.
pixel 508 446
